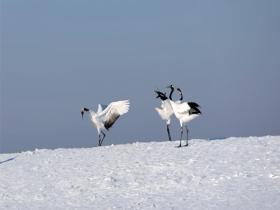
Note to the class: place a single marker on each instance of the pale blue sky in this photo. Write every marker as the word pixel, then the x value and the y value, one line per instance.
pixel 57 56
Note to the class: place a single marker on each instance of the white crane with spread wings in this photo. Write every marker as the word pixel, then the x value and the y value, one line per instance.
pixel 106 116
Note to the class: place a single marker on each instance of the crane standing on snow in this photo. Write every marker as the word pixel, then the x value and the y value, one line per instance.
pixel 185 112
pixel 104 119
pixel 166 111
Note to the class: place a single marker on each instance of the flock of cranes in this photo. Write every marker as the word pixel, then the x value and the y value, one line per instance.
pixel 183 111
pixel 107 115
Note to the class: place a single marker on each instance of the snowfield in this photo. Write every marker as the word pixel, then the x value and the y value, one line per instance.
pixel 235 173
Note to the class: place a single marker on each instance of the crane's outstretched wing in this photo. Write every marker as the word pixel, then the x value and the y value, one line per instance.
pixel 100 108
pixel 113 111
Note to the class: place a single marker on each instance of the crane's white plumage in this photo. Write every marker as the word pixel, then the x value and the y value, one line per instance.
pixel 106 116
pixel 185 112
pixel 166 111
pixel 181 111
pixel 179 108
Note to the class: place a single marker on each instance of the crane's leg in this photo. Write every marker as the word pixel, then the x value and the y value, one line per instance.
pixel 187 143
pixel 99 140
pixel 168 131
pixel 181 136
pixel 102 138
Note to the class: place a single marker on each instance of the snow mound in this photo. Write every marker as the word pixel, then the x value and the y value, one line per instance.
pixel 235 173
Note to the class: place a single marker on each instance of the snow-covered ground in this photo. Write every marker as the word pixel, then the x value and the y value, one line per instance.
pixel 235 173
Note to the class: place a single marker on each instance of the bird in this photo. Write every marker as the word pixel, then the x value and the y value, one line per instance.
pixel 106 115
pixel 184 112
pixel 166 111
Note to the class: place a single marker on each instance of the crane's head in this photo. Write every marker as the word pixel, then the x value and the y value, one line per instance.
pixel 160 95
pixel 171 86
pixel 83 110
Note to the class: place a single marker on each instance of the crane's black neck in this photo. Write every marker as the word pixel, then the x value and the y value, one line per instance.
pixel 181 94
pixel 181 99
pixel 171 92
